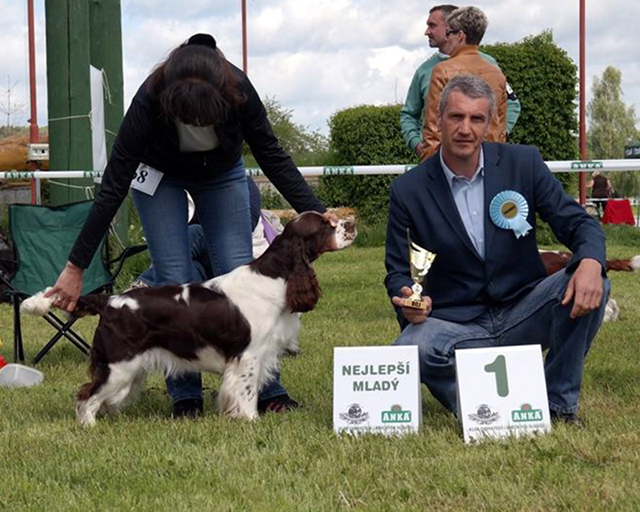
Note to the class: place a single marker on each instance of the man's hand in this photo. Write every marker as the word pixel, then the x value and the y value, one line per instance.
pixel 420 149
pixel 413 315
pixel 67 288
pixel 585 288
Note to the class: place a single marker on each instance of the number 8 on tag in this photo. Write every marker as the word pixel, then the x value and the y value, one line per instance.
pixel 146 179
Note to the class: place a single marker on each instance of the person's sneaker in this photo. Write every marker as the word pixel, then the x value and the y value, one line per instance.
pixel 280 403
pixel 138 283
pixel 569 418
pixel 188 408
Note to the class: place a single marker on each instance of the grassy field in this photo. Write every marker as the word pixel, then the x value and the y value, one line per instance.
pixel 143 460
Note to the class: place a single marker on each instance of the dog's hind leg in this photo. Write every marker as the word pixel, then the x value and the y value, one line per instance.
pixel 89 401
pixel 86 410
pixel 238 396
pixel 136 388
pixel 109 392
pixel 124 383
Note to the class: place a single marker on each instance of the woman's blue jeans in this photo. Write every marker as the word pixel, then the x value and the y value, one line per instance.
pixel 538 318
pixel 222 205
pixel 199 257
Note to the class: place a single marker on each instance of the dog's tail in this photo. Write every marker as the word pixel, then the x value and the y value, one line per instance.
pixel 556 260
pixel 39 305
pixel 629 265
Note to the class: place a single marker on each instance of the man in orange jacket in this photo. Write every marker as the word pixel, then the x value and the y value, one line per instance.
pixel 465 28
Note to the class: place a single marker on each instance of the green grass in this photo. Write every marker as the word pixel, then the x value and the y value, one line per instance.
pixel 143 460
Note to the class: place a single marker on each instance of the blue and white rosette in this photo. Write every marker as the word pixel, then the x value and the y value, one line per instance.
pixel 509 210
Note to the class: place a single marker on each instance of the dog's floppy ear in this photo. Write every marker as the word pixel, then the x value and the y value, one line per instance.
pixel 303 291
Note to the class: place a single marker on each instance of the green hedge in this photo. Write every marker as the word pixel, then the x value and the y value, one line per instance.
pixel 544 79
pixel 364 135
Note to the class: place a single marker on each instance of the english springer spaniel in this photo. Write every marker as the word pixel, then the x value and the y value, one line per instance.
pixel 236 324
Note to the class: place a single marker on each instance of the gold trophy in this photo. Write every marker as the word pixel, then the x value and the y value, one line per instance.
pixel 420 261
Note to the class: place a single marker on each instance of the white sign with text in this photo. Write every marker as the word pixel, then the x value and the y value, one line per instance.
pixel 376 390
pixel 501 392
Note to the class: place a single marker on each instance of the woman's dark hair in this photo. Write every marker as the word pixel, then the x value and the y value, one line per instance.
pixel 196 84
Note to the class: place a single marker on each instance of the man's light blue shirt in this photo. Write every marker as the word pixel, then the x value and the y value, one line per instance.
pixel 468 193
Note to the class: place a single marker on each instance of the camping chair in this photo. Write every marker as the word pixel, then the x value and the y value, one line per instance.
pixel 42 238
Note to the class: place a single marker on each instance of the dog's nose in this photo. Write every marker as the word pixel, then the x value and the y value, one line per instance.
pixel 349 226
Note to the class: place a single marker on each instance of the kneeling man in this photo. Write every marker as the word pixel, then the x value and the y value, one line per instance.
pixel 474 204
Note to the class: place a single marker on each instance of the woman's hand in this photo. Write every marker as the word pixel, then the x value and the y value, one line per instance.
pixel 331 217
pixel 67 288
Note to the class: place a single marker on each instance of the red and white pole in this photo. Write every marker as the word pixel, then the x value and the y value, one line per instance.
pixel 34 135
pixel 245 64
pixel 582 121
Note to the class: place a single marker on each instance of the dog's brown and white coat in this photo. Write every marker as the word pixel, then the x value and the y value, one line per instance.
pixel 557 260
pixel 236 324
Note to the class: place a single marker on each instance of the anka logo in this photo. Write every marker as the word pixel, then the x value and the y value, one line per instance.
pixel 484 415
pixel 526 413
pixel 354 415
pixel 396 415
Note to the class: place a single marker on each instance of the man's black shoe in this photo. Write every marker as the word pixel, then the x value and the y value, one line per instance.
pixel 188 408
pixel 570 418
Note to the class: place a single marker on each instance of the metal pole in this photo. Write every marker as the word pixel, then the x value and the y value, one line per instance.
pixel 245 65
pixel 34 135
pixel 583 84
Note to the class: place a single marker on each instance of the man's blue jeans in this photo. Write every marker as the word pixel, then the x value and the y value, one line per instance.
pixel 222 204
pixel 538 318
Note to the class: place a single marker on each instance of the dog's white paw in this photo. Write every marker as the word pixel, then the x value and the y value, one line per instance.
pixel 84 416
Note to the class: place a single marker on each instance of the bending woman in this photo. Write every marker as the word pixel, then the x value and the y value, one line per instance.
pixel 184 131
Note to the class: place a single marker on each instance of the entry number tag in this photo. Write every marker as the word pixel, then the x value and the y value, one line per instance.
pixel 501 392
pixel 146 179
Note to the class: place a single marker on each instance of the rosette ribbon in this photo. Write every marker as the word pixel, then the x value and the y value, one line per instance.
pixel 509 210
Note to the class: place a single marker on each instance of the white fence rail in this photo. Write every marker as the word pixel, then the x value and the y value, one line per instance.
pixel 557 166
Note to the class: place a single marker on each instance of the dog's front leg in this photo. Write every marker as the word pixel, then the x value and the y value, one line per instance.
pixel 238 396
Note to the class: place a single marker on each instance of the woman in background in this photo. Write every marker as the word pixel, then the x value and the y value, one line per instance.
pixel 601 190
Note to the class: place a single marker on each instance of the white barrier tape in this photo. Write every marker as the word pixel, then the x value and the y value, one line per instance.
pixel 357 170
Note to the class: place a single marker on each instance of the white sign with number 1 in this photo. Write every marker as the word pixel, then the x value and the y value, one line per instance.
pixel 501 392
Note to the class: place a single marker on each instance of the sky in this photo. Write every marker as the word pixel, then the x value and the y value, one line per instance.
pixel 316 57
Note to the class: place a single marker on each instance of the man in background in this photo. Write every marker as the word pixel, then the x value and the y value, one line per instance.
pixel 466 27
pixel 412 112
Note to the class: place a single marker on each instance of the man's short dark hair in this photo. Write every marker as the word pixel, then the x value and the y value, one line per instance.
pixel 471 86
pixel 445 9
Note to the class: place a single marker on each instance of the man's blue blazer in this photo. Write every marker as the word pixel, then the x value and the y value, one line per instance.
pixel 460 283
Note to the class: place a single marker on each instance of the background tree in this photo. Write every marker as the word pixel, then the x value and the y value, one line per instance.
pixel 306 147
pixel 10 106
pixel 612 125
